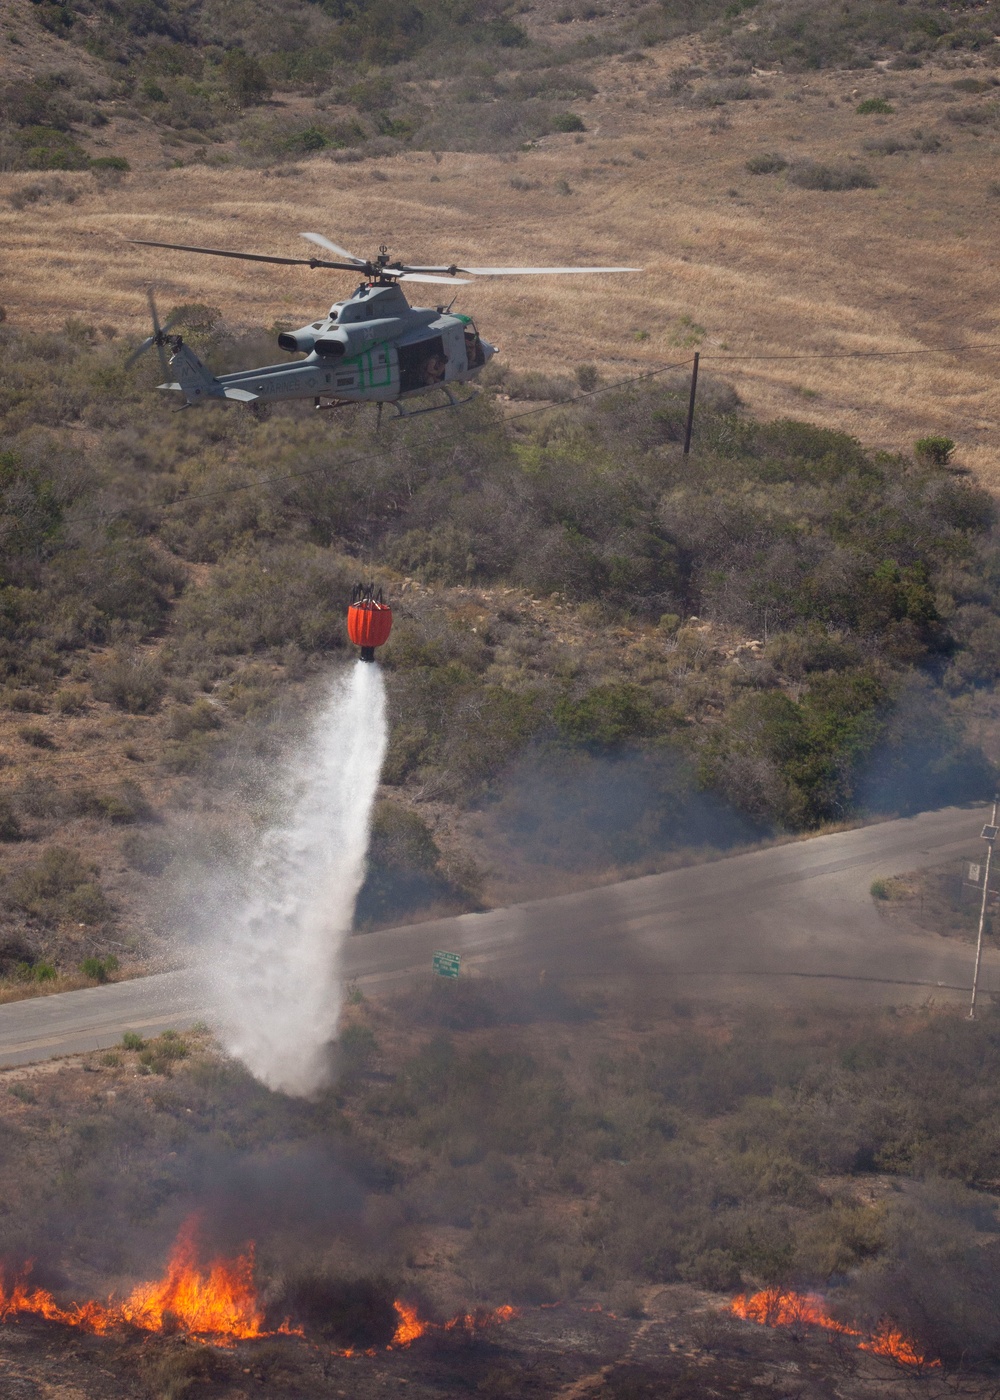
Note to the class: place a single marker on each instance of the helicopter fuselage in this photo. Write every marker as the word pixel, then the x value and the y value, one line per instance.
pixel 373 347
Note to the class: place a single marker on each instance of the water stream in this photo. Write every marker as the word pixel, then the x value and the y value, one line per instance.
pixel 275 957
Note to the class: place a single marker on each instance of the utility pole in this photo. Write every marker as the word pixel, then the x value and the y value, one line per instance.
pixel 989 836
pixel 689 425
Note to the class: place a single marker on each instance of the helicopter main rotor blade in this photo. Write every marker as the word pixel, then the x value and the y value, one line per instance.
pixel 160 331
pixel 425 277
pixel 323 242
pixel 152 311
pixel 537 271
pixel 248 257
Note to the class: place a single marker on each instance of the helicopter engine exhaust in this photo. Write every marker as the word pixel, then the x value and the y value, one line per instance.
pixel 369 619
pixel 297 341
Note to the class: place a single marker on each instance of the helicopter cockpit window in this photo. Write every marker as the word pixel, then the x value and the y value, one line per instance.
pixel 474 353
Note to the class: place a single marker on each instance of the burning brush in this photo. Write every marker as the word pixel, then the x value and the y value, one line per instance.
pixel 775 1307
pixel 216 1303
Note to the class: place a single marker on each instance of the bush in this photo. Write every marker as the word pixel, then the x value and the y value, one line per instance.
pixel 15 954
pixel 123 807
pixel 71 699
pixel 44 148
pixel 404 871
pixel 934 451
pixel 37 737
pixel 874 106
pixel 10 825
pixel 131 682
pixel 348 1312
pixel 937 1277
pixel 767 163
pixel 148 854
pixel 131 1040
pixel 61 886
pixel 813 175
pixel 568 121
pixel 99 969
pixel 245 78
pixel 606 716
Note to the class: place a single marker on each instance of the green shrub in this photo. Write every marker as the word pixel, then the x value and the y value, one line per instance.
pixel 61 886
pixel 110 163
pixel 10 825
pixel 404 871
pixel 309 139
pixel 99 969
pixel 934 451
pixel 71 699
pixel 874 106
pixel 588 378
pixel 131 682
pixel 200 717
pixel 131 1040
pixel 149 854
pixel 123 807
pixel 568 121
pixel 767 163
pixel 37 737
pixel 87 904
pixel 45 148
pixel 879 889
pixel 245 78
pixel 606 716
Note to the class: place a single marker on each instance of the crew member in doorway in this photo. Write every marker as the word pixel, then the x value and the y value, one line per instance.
pixel 434 368
pixel 474 350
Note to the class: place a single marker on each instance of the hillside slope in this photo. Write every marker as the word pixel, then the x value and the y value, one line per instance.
pixel 737 263
pixel 607 657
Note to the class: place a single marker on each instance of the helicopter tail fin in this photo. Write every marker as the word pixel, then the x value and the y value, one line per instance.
pixel 193 379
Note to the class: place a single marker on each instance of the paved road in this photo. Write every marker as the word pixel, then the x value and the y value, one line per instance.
pixel 793 922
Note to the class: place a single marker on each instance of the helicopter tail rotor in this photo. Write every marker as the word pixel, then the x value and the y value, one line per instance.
pixel 159 338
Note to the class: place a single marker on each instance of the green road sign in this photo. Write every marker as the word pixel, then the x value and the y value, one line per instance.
pixel 446 964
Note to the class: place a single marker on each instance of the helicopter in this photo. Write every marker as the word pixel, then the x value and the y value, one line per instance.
pixel 373 347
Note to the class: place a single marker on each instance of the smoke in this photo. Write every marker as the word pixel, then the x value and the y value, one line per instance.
pixel 274 958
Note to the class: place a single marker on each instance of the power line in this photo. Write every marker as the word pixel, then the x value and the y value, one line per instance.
pixel 863 354
pixel 554 403
pixel 357 461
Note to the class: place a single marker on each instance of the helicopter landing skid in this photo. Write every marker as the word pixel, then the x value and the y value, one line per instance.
pixel 402 412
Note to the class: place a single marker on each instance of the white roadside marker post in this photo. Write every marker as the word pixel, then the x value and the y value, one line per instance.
pixel 989 836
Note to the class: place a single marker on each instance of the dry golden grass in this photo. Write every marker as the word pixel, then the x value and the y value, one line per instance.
pixel 763 267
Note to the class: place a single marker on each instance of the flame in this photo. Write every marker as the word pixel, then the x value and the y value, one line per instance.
pixel 409 1327
pixel 221 1302
pixel 216 1302
pixel 774 1307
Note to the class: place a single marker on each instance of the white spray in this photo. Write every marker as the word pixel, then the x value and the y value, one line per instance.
pixel 276 959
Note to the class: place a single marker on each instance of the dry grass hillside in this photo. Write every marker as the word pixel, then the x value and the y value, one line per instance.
pixel 736 263
pixel 706 626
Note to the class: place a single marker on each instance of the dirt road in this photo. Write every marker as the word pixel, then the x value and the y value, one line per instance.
pixel 790 923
